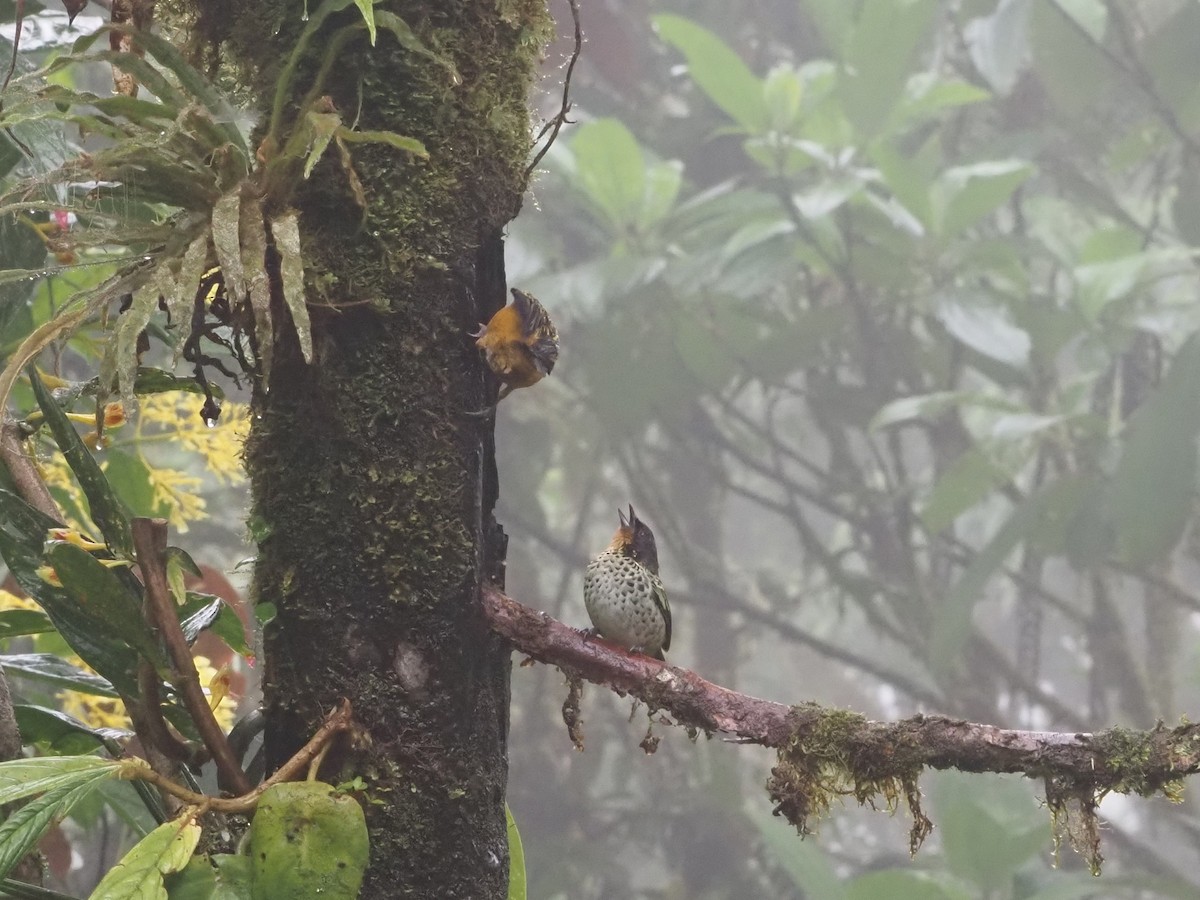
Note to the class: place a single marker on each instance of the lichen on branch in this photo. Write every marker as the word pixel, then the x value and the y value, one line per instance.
pixel 826 754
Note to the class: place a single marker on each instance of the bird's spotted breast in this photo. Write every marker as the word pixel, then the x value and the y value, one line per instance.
pixel 619 595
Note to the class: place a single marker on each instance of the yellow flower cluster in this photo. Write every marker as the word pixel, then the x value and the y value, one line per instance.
pixel 9 600
pixel 170 418
pixel 173 416
pixel 109 712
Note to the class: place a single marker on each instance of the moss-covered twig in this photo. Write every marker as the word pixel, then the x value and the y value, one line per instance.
pixel 335 723
pixel 829 753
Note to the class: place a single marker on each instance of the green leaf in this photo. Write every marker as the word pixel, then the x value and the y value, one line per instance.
pixel 1044 515
pixel 967 481
pixel 129 476
pixel 367 8
pixel 106 510
pixel 55 671
pixel 20 778
pixel 23 532
pixel 286 231
pixel 201 611
pixel 139 875
pixel 102 594
pixel 14 622
pixel 22 891
pixel 877 58
pixel 999 43
pixel 1102 283
pixel 24 827
pixel 408 39
pixel 805 862
pixel 305 840
pixel 517 882
pixel 391 138
pixel 63 734
pixel 1073 67
pixel 1153 487
pixel 985 327
pixel 611 170
pixel 179 564
pixel 717 70
pixel 986 830
pixel 964 195
pixel 1170 58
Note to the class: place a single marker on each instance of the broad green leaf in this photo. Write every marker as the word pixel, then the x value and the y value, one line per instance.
pixel 1044 515
pixel 129 476
pixel 19 890
pixel 367 8
pixel 223 876
pixel 14 622
pixel 1073 67
pixel 206 611
pixel 878 57
pixel 105 596
pixel 986 828
pixel 808 866
pixel 717 70
pixel 999 43
pixel 22 535
pixel 1153 487
pixel 517 882
pixel 286 231
pixel 1102 283
pixel 782 91
pixel 921 406
pixel 984 327
pixel 928 94
pixel 1170 58
pixel 305 840
pixel 105 508
pixel 139 875
pixel 611 170
pixel 24 827
pixel 967 481
pixel 61 733
pixel 20 778
pixel 55 671
pixel 179 565
pixel 834 20
pixel 963 195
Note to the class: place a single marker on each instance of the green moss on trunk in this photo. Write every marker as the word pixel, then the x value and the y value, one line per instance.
pixel 370 486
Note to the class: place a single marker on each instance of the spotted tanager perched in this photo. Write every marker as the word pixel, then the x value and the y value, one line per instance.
pixel 623 594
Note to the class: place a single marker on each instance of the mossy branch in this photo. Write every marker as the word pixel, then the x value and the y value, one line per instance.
pixel 825 753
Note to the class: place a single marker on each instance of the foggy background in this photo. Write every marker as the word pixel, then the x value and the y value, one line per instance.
pixel 881 314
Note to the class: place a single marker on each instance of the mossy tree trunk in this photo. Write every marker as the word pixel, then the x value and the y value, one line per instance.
pixel 372 492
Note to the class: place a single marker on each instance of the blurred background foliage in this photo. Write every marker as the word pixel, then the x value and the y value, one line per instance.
pixel 882 314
